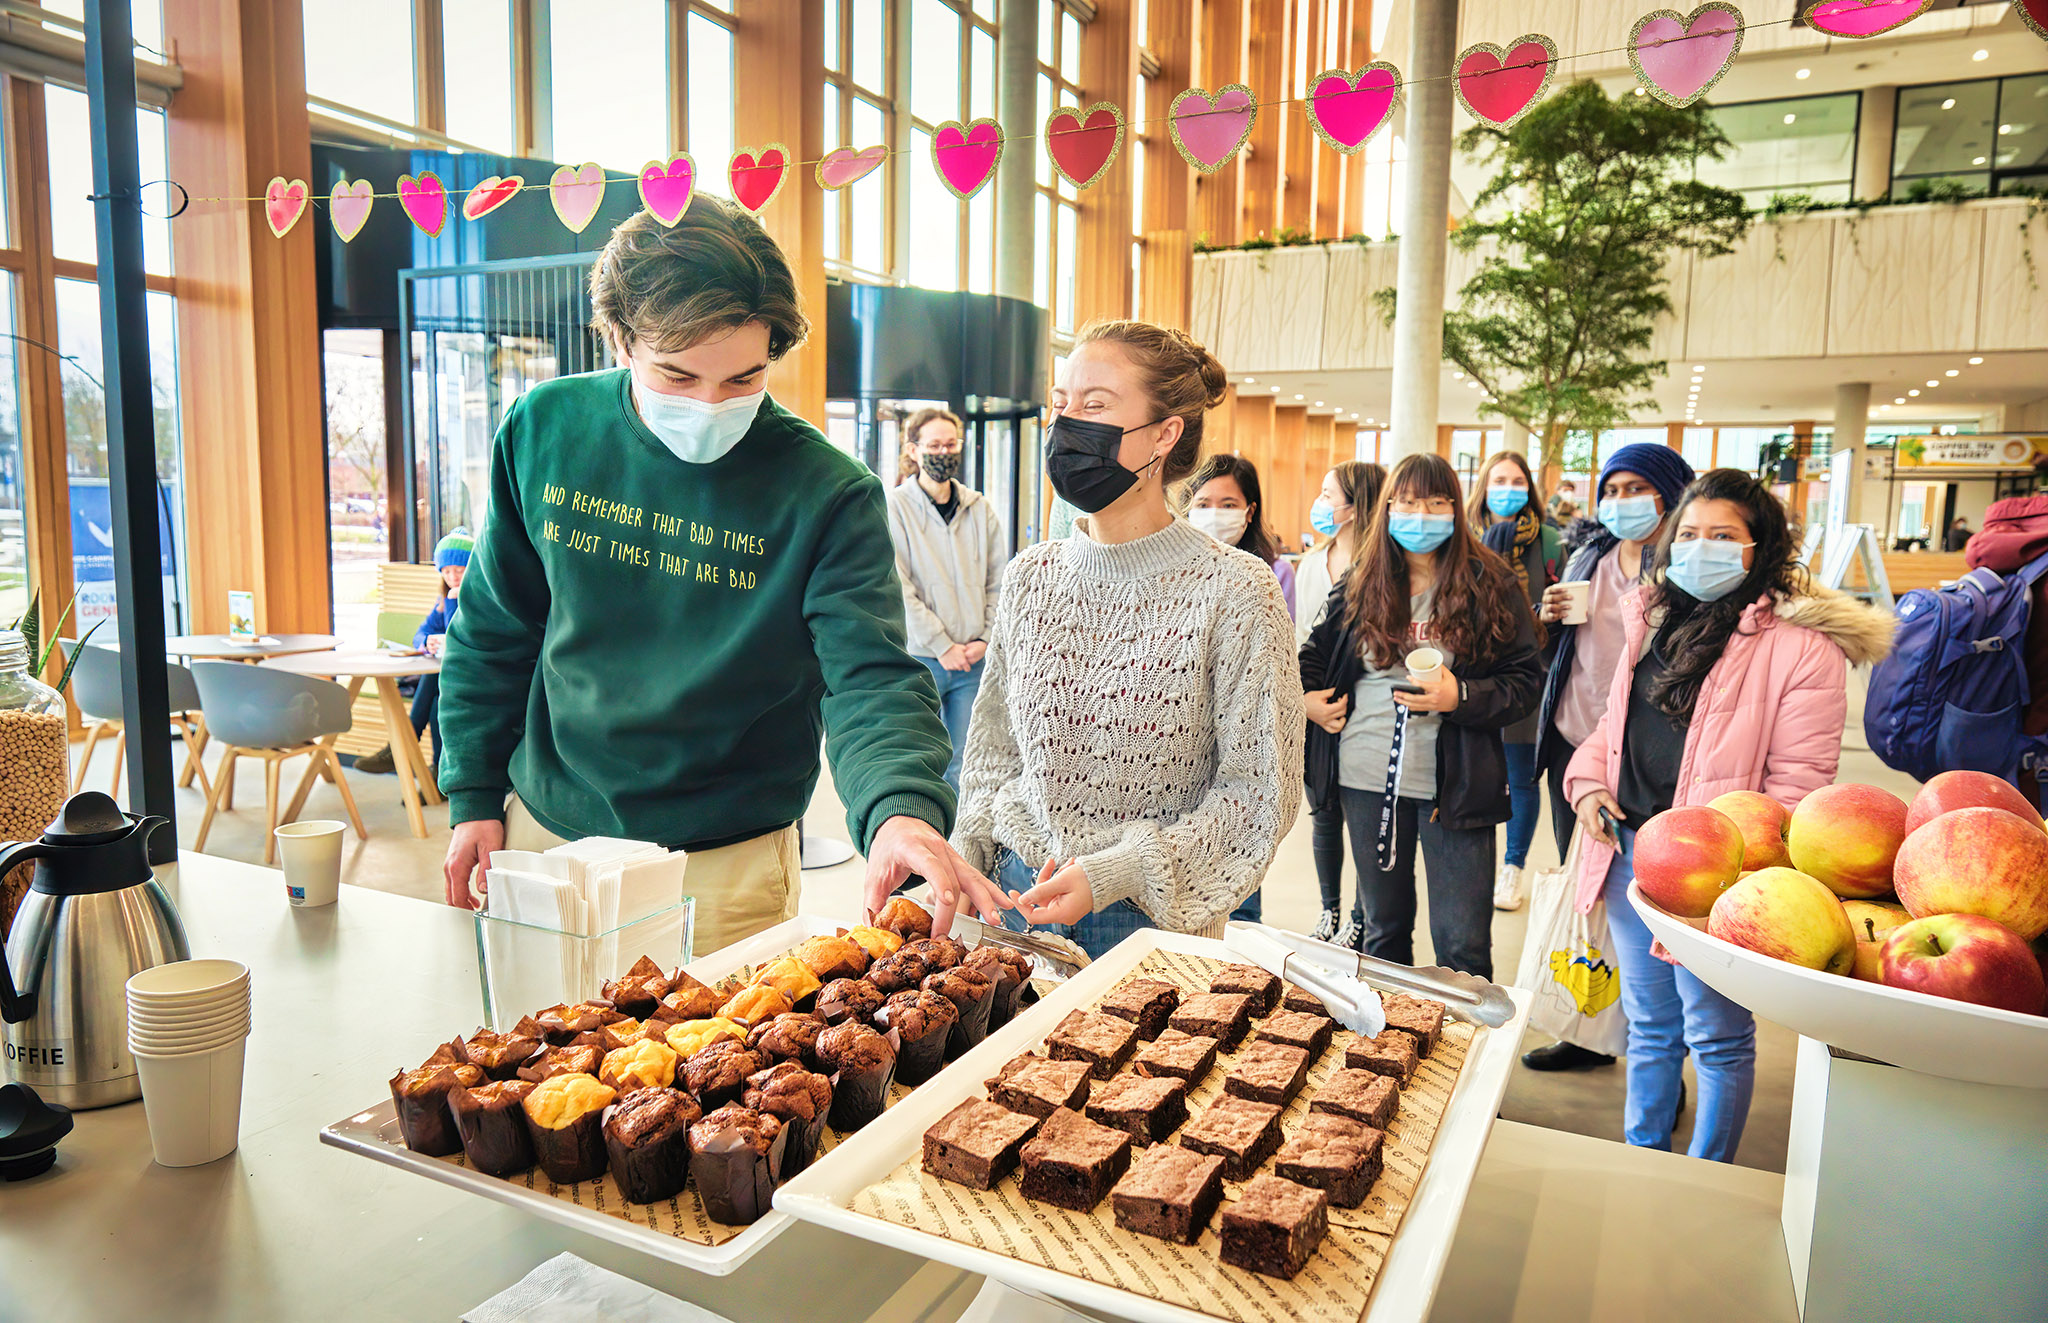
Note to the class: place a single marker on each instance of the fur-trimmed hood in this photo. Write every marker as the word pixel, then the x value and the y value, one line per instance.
pixel 1860 630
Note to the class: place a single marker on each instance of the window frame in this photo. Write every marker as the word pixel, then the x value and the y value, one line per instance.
pixel 1994 175
pixel 842 92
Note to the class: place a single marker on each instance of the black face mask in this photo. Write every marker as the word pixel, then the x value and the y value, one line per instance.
pixel 1083 464
pixel 941 468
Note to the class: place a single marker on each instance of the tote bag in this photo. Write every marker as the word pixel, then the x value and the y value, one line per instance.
pixel 1568 964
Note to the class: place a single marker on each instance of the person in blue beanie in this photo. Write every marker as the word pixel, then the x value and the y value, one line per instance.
pixel 451 558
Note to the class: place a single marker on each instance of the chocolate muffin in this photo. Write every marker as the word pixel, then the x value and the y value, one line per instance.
pixel 906 918
pixel 896 973
pixel 938 952
pixel 564 1022
pixel 973 994
pixel 877 942
pixel 644 1065
pixel 575 1059
pixel 863 1062
pixel 845 1000
pixel 757 1002
pixel 692 1036
pixel 565 1119
pixel 923 1023
pixel 1011 971
pixel 492 1126
pixel 637 991
pixel 801 1100
pixel 788 1037
pixel 717 1074
pixel 647 1141
pixel 734 1153
pixel 500 1054
pixel 420 1096
pixel 792 978
pixel 833 957
pixel 690 999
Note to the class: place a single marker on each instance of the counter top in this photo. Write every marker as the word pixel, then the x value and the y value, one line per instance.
pixel 1557 1226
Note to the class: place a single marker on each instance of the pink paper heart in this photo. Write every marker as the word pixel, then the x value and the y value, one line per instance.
pixel 1209 130
pixel 666 189
pixel 1678 59
pixel 577 192
pixel 425 199
pixel 284 201
pixel 1499 86
pixel 757 175
pixel 965 155
pixel 491 193
pixel 348 206
pixel 843 166
pixel 1862 18
pixel 1346 109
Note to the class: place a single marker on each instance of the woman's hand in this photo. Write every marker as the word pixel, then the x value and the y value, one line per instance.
pixel 1062 896
pixel 954 658
pixel 976 650
pixel 1325 709
pixel 1439 693
pixel 1588 808
pixel 1556 601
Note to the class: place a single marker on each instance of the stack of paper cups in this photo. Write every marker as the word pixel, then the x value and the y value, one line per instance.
pixel 188 1026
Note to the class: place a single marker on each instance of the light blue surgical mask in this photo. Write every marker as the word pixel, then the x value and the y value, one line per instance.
pixel 1322 517
pixel 1630 518
pixel 1507 502
pixel 1707 571
pixel 694 431
pixel 1421 533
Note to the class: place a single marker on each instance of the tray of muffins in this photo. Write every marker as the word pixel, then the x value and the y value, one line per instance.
pixel 663 1113
pixel 1176 1136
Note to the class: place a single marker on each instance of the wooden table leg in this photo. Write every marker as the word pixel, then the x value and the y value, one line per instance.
pixel 405 752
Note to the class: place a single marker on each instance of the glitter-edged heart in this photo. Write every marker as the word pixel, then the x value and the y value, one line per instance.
pixel 1347 107
pixel 2033 13
pixel 425 199
pixel 756 175
pixel 577 192
pixel 348 206
pixel 284 201
pixel 843 166
pixel 1208 130
pixel 1082 144
pixel 491 193
pixel 1499 85
pixel 966 155
pixel 1678 58
pixel 666 187
pixel 1862 18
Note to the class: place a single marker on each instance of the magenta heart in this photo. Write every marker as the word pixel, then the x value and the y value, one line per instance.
pixel 1498 85
pixel 1209 130
pixel 425 199
pixel 965 155
pixel 1863 18
pixel 1347 109
pixel 666 188
pixel 1678 59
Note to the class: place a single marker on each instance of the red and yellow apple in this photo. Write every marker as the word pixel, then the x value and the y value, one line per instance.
pixel 1686 857
pixel 1872 921
pixel 1846 836
pixel 1966 957
pixel 1960 790
pixel 1978 861
pixel 1762 821
pixel 1789 916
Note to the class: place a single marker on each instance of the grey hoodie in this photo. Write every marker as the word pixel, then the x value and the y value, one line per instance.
pixel 951 573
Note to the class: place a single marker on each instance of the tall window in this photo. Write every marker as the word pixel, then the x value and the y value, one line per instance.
pixel 1800 145
pixel 360 54
pixel 610 84
pixel 858 114
pixel 708 112
pixel 1990 135
pixel 952 77
pixel 476 46
pixel 1058 208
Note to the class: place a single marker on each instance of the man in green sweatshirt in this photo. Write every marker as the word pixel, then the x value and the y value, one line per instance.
pixel 679 586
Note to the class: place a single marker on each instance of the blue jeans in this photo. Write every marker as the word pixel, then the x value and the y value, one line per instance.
pixel 1460 864
pixel 1670 1012
pixel 1094 934
pixel 956 706
pixel 426 710
pixel 1525 801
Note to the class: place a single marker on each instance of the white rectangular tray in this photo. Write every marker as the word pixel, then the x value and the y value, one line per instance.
pixel 1408 1277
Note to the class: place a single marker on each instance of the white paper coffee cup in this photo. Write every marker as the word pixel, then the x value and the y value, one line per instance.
pixel 1579 602
pixel 311 855
pixel 193 1102
pixel 1423 663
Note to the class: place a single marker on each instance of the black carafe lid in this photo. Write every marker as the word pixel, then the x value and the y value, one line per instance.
pixel 29 1131
pixel 90 817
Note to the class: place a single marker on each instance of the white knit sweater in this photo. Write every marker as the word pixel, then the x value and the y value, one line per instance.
pixel 1141 711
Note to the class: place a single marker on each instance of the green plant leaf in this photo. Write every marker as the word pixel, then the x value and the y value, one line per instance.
pixel 29 624
pixel 57 632
pixel 64 680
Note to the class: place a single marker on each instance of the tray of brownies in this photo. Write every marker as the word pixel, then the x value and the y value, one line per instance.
pixel 663 1113
pixel 1173 1135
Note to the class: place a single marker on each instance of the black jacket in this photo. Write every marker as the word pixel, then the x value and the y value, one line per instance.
pixel 1471 766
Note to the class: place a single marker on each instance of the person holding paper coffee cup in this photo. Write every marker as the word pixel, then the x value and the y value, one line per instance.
pixel 1437 649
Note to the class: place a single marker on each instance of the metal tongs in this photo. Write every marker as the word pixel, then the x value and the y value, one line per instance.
pixel 1060 955
pixel 1466 996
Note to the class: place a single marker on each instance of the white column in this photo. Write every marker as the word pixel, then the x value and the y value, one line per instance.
pixel 1425 213
pixel 1852 416
pixel 1514 437
pixel 1016 82
pixel 1876 123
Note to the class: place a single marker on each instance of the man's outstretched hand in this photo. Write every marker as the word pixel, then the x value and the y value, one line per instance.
pixel 906 845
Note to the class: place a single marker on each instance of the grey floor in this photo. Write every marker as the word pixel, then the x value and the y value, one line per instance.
pixel 392 859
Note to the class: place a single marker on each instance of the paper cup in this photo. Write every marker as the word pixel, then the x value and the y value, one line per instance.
pixel 311 855
pixel 1579 606
pixel 143 1026
pixel 185 982
pixel 180 1044
pixel 1423 663
pixel 193 1103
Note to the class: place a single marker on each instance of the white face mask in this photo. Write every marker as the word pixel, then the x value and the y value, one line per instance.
pixel 696 432
pixel 1225 525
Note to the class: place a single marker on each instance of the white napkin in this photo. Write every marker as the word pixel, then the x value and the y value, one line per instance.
pixel 567 1289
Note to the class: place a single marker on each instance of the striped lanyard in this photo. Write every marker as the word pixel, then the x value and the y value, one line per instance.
pixel 1395 753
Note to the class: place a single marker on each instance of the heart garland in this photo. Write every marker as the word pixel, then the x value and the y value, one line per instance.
pixel 491 193
pixel 425 199
pixel 348 206
pixel 577 191
pixel 1858 19
pixel 966 155
pixel 1678 59
pixel 2033 13
pixel 844 167
pixel 666 187
pixel 1083 143
pixel 1208 131
pixel 1346 107
pixel 284 201
pixel 756 175
pixel 1499 86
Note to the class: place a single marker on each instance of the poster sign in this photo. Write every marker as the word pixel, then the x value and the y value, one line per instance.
pixel 241 616
pixel 1982 451
pixel 92 549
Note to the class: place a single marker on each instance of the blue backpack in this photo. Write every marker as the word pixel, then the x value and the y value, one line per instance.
pixel 1951 695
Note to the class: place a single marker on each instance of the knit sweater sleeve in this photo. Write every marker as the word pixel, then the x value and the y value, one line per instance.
pixel 1189 871
pixel 992 759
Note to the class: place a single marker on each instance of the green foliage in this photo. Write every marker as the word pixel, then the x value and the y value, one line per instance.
pixel 31 627
pixel 1950 191
pixel 1591 197
pixel 1289 237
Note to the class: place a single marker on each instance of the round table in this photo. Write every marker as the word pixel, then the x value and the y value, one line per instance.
pixel 415 778
pixel 221 647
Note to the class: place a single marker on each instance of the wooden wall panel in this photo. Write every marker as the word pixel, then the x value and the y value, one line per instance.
pixel 1281 473
pixel 1166 249
pixel 785 103
pixel 1319 440
pixel 1266 152
pixel 1220 196
pixel 1304 152
pixel 1102 260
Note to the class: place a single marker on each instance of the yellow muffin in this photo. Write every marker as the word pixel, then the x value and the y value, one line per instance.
pixel 560 1101
pixel 877 942
pixel 833 957
pixel 757 1002
pixel 690 1035
pixel 645 1064
pixel 790 976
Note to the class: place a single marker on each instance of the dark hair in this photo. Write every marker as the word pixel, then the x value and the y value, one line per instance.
pixel 1257 538
pixel 712 272
pixel 1477 597
pixel 1360 482
pixel 1693 634
pixel 1184 380
pixel 1476 508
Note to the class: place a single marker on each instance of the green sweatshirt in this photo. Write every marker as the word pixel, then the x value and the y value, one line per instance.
pixel 648 648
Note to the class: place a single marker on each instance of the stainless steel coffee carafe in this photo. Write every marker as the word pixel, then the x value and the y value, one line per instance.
pixel 94 917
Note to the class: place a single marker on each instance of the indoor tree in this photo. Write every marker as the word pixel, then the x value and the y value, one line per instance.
pixel 1591 197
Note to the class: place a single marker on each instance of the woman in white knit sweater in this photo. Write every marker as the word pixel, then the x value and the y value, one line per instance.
pixel 1135 753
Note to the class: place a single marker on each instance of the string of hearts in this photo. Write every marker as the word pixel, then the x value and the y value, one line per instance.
pixel 1677 58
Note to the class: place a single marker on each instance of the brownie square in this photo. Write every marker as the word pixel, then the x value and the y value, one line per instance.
pixel 1223 1016
pixel 1335 1154
pixel 1103 1041
pixel 1274 1227
pixel 1176 1055
pixel 1360 1095
pixel 1301 999
pixel 1072 1162
pixel 1263 988
pixel 1035 1086
pixel 1170 1193
pixel 1310 1033
pixel 1268 1073
pixel 1241 1132
pixel 976 1144
pixel 1145 1002
pixel 1391 1054
pixel 1418 1017
pixel 1146 1108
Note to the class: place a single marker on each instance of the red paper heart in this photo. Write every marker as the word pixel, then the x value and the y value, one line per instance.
pixel 284 201
pixel 2033 13
pixel 756 177
pixel 1082 144
pixel 490 194
pixel 1498 85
